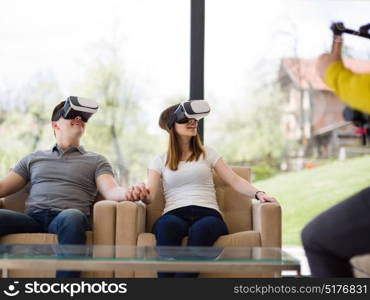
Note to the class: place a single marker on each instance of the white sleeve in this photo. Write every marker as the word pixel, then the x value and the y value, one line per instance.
pixel 212 156
pixel 157 164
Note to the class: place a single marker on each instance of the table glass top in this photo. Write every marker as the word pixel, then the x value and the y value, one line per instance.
pixel 88 252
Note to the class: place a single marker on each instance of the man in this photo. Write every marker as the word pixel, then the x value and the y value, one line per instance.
pixel 336 235
pixel 64 182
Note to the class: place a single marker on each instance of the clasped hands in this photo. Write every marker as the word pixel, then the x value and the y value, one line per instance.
pixel 137 192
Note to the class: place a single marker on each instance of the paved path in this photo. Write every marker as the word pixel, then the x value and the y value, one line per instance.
pixel 298 253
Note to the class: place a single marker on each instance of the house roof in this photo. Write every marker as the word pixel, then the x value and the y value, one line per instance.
pixel 303 71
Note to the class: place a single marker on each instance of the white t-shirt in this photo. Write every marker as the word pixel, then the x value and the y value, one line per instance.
pixel 191 184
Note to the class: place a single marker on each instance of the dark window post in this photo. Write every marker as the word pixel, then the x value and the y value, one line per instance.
pixel 197 55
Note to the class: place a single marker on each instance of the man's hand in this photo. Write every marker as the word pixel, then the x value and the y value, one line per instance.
pixel 326 59
pixel 137 192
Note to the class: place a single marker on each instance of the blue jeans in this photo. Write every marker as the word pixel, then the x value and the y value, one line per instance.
pixel 202 225
pixel 69 225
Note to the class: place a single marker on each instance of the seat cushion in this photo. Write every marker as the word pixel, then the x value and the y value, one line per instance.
pixel 146 239
pixel 37 238
pixel 361 265
pixel 238 239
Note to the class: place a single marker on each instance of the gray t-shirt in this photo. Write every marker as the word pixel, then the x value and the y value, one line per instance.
pixel 62 179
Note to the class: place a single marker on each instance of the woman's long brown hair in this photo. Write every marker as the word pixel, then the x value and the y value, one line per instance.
pixel 174 150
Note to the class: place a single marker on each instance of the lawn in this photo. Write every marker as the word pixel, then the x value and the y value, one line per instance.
pixel 305 194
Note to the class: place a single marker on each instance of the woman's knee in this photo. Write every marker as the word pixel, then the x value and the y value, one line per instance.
pixel 210 225
pixel 168 223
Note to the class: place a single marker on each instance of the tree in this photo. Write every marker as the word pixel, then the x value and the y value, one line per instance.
pixel 253 135
pixel 42 90
pixel 24 117
pixel 117 128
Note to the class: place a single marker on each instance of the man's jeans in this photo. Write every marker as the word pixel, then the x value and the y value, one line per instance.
pixel 202 225
pixel 69 225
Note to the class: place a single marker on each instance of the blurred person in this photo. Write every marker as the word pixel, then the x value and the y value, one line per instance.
pixel 332 238
pixel 352 88
pixel 191 207
pixel 64 182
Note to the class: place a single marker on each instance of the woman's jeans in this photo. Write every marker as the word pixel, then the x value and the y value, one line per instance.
pixel 202 225
pixel 69 225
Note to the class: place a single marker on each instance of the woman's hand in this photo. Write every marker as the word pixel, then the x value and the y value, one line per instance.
pixel 265 198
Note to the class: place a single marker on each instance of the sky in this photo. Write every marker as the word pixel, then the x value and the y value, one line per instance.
pixel 63 38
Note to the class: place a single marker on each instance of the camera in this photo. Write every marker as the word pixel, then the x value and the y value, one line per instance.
pixel 338 28
pixel 359 119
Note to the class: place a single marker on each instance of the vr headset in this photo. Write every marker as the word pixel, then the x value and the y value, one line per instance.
pixel 187 110
pixel 77 107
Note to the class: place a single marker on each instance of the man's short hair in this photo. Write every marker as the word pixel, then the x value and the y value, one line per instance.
pixel 55 115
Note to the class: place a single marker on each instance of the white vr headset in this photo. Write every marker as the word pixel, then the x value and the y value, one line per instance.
pixel 77 107
pixel 187 110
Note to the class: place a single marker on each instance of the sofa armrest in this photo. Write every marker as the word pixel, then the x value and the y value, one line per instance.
pixel 130 222
pixel 267 221
pixel 104 222
pixel 104 229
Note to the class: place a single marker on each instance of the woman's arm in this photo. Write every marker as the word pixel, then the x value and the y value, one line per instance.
pixel 153 185
pixel 238 183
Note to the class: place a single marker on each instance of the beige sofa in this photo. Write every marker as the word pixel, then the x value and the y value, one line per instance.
pixel 250 223
pixel 102 233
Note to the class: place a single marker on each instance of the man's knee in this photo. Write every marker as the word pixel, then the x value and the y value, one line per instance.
pixel 309 234
pixel 73 216
pixel 5 216
pixel 306 235
pixel 16 222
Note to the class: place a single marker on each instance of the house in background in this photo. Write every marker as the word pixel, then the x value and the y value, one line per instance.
pixel 313 114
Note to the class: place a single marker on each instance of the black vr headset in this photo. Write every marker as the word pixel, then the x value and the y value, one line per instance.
pixel 187 110
pixel 77 107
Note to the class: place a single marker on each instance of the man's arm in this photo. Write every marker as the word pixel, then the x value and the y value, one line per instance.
pixel 351 88
pixel 110 190
pixel 12 183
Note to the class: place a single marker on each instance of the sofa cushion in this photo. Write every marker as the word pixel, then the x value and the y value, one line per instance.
pixel 361 265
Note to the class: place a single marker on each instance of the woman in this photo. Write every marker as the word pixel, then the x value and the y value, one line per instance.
pixel 191 208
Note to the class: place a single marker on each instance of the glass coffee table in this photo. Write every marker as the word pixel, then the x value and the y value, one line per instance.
pixel 145 259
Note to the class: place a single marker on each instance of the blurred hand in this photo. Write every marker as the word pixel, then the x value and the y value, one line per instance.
pixel 137 192
pixel 326 59
pixel 143 192
pixel 265 198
